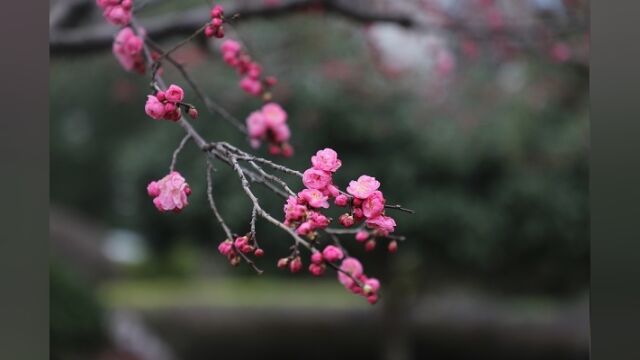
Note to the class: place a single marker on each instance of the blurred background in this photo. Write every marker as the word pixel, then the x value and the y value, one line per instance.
pixel 475 114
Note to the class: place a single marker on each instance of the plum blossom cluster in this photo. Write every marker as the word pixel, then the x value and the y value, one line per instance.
pixel 302 211
pixel 127 48
pixel 214 27
pixel 170 193
pixel 167 104
pixel 367 204
pixel 252 81
pixel 353 278
pixel 117 12
pixel 270 124
pixel 241 244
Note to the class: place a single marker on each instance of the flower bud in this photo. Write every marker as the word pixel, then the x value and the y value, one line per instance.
pixel 393 246
pixel 370 245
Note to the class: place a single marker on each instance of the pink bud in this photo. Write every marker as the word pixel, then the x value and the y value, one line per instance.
pixel 193 113
pixel 346 220
pixel 259 252
pixel 160 96
pixel 372 299
pixel 209 31
pixel 283 262
pixel 295 265
pixel 216 22
pixel 341 200
pixel 362 235
pixel 217 11
pixel 287 150
pixel 219 32
pixel 316 257
pixel 370 245
pixel 393 246
pixel 317 270
pixel 169 107
pixel 153 189
pixel 332 253
pixel 127 4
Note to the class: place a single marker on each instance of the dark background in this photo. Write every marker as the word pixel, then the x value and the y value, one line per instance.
pixel 493 158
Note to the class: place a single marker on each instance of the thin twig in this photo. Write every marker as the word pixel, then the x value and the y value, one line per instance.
pixel 174 158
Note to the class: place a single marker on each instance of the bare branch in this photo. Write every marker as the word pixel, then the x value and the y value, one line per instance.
pixel 99 37
pixel 176 152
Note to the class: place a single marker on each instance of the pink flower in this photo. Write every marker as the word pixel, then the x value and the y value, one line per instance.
pixel 341 200
pixel 318 220
pixel 305 228
pixel 363 187
pixel 316 179
pixel 326 160
pixel 382 223
pixel 256 125
pixel 274 114
pixel 294 211
pixel 251 86
pixel 154 108
pixel 117 15
pixel 174 94
pixel 351 266
pixel 127 48
pixel 373 205
pixel 362 235
pixel 314 198
pixel 231 47
pixel 371 285
pixel 173 192
pixel 332 253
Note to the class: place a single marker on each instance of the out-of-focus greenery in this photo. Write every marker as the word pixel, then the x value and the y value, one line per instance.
pixel 498 179
pixel 76 317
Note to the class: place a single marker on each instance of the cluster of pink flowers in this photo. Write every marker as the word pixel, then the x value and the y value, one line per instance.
pixel 117 12
pixel 367 204
pixel 368 287
pixel 214 28
pixel 252 81
pixel 166 104
pixel 241 244
pixel 169 193
pixel 127 48
pixel 302 211
pixel 270 124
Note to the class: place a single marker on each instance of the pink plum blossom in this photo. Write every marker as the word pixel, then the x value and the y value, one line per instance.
pixel 154 108
pixel 351 266
pixel 171 193
pixel 314 198
pixel 332 253
pixel 373 205
pixel 316 179
pixel 274 114
pixel 326 160
pixel 174 93
pixel 363 187
pixel 382 223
